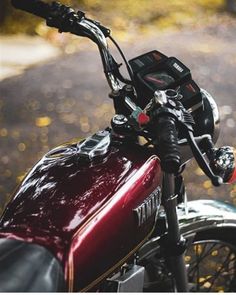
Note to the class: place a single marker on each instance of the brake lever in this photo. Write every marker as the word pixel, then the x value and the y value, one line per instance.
pixel 186 120
pixel 215 179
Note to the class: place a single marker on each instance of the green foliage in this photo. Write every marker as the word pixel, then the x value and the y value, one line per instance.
pixel 120 14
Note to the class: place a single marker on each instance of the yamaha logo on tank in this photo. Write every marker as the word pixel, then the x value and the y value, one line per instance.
pixel 148 207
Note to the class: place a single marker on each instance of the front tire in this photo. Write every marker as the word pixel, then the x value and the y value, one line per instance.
pixel 210 259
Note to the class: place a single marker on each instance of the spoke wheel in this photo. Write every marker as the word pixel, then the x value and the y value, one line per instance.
pixel 210 259
pixel 211 266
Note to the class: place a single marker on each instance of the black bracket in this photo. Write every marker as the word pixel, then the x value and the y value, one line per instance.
pixel 172 249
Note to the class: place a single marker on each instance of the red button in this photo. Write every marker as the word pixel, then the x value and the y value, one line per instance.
pixel 143 119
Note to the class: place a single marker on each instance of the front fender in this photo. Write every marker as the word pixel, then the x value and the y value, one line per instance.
pixel 205 214
pixel 202 215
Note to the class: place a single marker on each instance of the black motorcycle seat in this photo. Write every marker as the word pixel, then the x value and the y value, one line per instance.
pixel 26 267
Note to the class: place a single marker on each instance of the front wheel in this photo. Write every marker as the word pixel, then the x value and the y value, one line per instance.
pixel 210 260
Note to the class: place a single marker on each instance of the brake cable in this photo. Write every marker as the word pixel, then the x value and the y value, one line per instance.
pixel 130 71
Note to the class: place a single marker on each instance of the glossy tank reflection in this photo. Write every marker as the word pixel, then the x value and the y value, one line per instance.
pixel 73 210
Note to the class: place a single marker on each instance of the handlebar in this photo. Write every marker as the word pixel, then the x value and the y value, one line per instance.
pixel 66 19
pixel 167 139
pixel 36 7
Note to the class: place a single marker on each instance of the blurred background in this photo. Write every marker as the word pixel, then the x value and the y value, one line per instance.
pixel 52 87
pixel 125 15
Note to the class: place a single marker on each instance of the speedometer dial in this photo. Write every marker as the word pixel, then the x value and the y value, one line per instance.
pixel 159 80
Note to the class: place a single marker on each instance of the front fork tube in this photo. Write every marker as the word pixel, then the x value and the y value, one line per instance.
pixel 174 244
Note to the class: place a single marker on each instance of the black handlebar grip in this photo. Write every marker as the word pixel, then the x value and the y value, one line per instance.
pixel 35 7
pixel 167 140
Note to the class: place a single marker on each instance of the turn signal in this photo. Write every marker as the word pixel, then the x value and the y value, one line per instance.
pixel 233 175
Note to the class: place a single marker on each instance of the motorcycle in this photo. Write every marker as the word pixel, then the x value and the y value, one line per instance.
pixel 110 213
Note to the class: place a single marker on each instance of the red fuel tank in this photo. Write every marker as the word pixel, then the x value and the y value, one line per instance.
pixel 91 214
